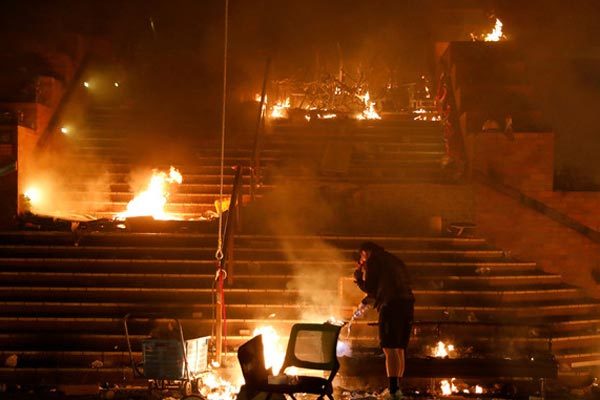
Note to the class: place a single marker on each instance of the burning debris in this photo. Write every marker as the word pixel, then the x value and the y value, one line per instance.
pixel 369 109
pixel 326 98
pixel 215 387
pixel 441 350
pixel 423 114
pixel 495 35
pixel 280 109
pixel 152 200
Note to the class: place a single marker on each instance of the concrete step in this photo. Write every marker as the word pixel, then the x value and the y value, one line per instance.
pixel 252 254
pixel 258 280
pixel 253 240
pixel 110 265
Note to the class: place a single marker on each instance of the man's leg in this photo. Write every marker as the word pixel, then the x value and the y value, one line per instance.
pixel 393 366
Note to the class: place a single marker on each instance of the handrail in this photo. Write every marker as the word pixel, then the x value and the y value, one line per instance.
pixel 232 222
pixel 226 262
pixel 8 168
pixel 538 206
pixel 255 162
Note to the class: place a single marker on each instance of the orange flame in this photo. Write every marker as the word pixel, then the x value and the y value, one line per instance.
pixel 274 351
pixel 280 109
pixel 442 350
pixel 369 110
pixel 214 387
pixel 448 387
pixel 152 201
pixel 496 34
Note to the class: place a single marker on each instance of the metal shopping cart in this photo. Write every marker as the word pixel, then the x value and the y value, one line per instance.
pixel 164 356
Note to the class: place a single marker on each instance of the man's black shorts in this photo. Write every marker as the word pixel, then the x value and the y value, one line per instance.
pixel 395 323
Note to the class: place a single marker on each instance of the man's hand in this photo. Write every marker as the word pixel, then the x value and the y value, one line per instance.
pixel 358 274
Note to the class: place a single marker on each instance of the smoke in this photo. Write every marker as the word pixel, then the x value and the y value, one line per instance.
pixel 63 184
pixel 317 284
pixel 296 212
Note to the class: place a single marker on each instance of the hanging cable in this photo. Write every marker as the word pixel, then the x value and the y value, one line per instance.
pixel 219 252
pixel 220 273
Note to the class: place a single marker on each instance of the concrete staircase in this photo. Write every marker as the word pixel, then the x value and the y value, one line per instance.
pixel 108 157
pixel 62 305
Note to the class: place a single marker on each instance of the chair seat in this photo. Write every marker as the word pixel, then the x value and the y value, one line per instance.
pixel 299 384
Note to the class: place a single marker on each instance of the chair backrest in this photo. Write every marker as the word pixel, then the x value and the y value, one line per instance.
pixel 252 361
pixel 313 346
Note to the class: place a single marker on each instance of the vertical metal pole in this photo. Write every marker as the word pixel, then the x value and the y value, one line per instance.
pixel 254 171
pixel 219 253
pixel 219 315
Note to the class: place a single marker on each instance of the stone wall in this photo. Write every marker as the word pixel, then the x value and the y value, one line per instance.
pixel 531 236
pixel 524 161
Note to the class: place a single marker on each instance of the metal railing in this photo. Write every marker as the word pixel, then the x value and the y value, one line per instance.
pixel 255 173
pixel 232 222
pixel 225 265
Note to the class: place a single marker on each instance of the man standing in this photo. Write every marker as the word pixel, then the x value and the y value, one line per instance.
pixel 383 277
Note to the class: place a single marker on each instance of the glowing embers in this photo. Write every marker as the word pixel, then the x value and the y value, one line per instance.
pixel 452 386
pixel 495 35
pixel 152 201
pixel 369 108
pixel 215 387
pixel 423 114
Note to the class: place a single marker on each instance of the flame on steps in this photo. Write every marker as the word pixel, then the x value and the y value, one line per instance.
pixel 496 34
pixel 452 386
pixel 442 350
pixel 280 109
pixel 152 201
pixel 215 387
pixel 369 108
pixel 448 387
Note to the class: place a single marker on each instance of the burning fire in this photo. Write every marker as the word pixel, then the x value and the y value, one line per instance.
pixel 257 97
pixel 152 201
pixel 214 387
pixel 425 115
pixel 274 351
pixel 280 109
pixel 448 387
pixel 34 195
pixel 442 350
pixel 369 110
pixel 496 34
